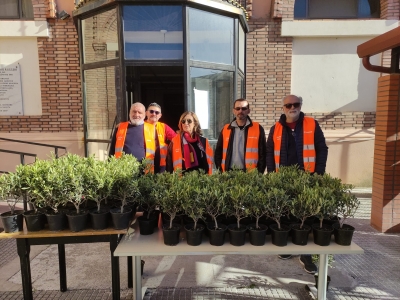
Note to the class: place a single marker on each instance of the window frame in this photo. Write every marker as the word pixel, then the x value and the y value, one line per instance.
pixel 20 13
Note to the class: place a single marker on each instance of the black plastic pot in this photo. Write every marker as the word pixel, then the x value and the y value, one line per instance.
pixel 56 221
pixel 194 237
pixel 217 235
pixel 77 222
pixel 322 236
pixel 279 236
pixel 300 236
pixel 171 235
pixel 257 235
pixel 12 222
pixel 34 220
pixel 344 235
pixel 99 219
pixel 237 236
pixel 120 219
pixel 146 226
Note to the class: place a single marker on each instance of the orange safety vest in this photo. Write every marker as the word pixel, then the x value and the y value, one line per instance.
pixel 251 154
pixel 148 139
pixel 160 128
pixel 309 155
pixel 177 154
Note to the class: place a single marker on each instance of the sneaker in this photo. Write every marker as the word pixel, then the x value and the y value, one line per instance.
pixel 285 256
pixel 309 266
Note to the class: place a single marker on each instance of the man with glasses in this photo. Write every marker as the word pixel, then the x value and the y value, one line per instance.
pixel 241 143
pixel 297 140
pixel 164 134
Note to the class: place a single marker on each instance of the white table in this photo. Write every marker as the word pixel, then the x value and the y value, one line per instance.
pixel 134 244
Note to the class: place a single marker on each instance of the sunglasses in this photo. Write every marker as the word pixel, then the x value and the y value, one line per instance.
pixel 154 112
pixel 187 121
pixel 241 108
pixel 289 105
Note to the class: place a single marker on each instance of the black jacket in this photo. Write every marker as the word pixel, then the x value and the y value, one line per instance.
pixel 261 148
pixel 321 149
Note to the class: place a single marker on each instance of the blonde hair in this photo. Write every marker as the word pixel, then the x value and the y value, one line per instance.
pixel 197 128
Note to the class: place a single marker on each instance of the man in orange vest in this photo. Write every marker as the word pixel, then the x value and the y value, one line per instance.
pixel 135 136
pixel 297 140
pixel 164 134
pixel 241 143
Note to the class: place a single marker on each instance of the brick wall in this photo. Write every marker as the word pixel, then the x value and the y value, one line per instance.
pixel 59 78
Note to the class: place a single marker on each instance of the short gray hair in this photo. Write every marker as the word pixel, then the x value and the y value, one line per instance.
pixel 298 97
pixel 154 104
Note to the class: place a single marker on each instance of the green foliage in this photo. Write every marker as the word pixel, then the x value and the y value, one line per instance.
pixel 215 194
pixel 9 190
pixel 146 184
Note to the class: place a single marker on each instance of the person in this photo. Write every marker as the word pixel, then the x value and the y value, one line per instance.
pixel 164 135
pixel 135 137
pixel 297 140
pixel 241 143
pixel 189 150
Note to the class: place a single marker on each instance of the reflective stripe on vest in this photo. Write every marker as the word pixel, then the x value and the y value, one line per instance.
pixel 251 154
pixel 177 154
pixel 309 154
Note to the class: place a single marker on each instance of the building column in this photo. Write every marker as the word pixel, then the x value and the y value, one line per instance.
pixel 385 212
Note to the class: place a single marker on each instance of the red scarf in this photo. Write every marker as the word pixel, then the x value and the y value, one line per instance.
pixel 189 154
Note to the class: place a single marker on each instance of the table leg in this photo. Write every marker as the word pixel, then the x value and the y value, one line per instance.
pixel 322 274
pixel 130 277
pixel 115 268
pixel 23 249
pixel 137 288
pixel 62 267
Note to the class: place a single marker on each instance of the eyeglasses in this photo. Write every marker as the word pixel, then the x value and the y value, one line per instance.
pixel 187 121
pixel 241 108
pixel 154 112
pixel 289 105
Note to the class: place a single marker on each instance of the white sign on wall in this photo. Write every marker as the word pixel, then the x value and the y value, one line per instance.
pixel 10 91
pixel 201 107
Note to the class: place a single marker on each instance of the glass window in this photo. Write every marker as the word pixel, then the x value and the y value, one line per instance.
pixel 211 37
pixel 242 48
pixel 153 32
pixel 9 9
pixel 211 99
pixel 332 9
pixel 101 101
pixel 100 37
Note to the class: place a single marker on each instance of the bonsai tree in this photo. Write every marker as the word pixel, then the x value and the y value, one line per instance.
pixel 168 193
pixel 326 199
pixel 194 192
pixel 259 204
pixel 126 170
pixel 214 193
pixel 7 187
pixel 98 178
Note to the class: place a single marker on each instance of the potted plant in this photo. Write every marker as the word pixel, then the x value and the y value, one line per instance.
pixel 215 197
pixel 12 220
pixel 346 206
pixel 168 193
pixel 194 191
pixel 258 207
pixel 239 195
pixel 98 179
pixel 149 220
pixel 278 200
pixel 125 188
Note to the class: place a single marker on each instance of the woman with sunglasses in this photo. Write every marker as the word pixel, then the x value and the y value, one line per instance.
pixel 189 150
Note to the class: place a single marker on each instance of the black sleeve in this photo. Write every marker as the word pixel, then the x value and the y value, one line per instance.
pixel 218 152
pixel 169 166
pixel 262 146
pixel 112 145
pixel 270 151
pixel 321 150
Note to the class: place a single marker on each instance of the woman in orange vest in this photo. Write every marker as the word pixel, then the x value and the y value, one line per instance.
pixel 189 150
